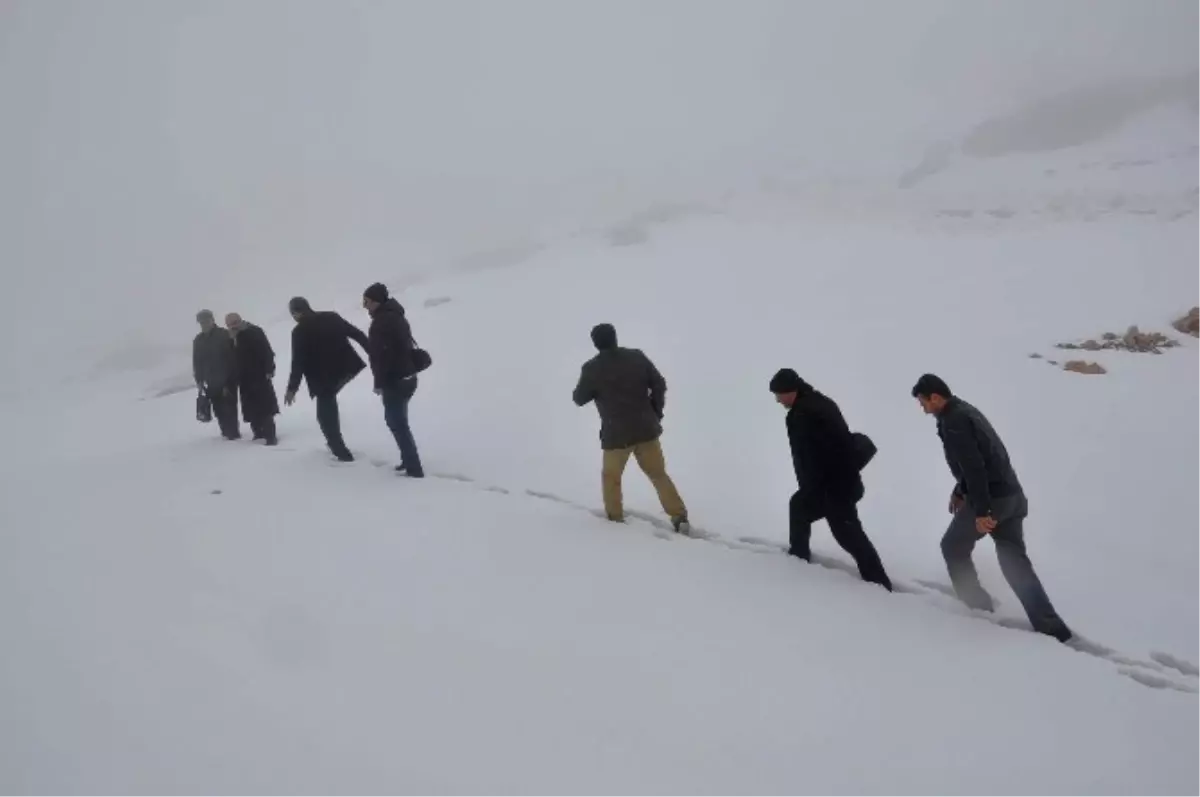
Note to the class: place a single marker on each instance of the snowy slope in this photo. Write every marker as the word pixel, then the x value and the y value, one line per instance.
pixel 188 615
pixel 314 628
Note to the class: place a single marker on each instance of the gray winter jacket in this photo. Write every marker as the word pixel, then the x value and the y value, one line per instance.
pixel 214 359
pixel 976 456
pixel 629 393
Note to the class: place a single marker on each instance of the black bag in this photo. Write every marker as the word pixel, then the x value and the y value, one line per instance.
pixel 203 408
pixel 864 449
pixel 421 359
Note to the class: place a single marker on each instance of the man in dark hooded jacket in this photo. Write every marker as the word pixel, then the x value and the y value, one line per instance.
pixel 214 367
pixel 630 395
pixel 255 370
pixel 987 501
pixel 322 356
pixel 826 461
pixel 390 349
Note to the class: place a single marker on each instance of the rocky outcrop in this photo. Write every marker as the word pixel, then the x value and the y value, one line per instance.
pixel 1083 367
pixel 1190 323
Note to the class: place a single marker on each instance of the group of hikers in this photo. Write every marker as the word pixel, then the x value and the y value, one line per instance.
pixel 239 360
pixel 629 392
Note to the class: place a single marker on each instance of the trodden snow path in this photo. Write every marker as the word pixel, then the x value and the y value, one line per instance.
pixel 1160 671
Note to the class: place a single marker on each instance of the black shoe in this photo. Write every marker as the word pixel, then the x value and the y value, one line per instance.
pixel 236 436
pixel 272 441
pixel 344 456
pixel 401 468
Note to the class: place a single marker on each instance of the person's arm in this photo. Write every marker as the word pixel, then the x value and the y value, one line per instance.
pixel 804 464
pixel 585 390
pixel 298 354
pixel 268 353
pixel 355 334
pixel 658 389
pixel 960 440
pixel 196 370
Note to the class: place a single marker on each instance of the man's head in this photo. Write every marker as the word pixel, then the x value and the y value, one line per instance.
pixel 233 321
pixel 932 393
pixel 206 320
pixel 374 296
pixel 299 307
pixel 604 336
pixel 787 385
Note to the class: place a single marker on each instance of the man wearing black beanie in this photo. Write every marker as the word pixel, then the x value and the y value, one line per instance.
pixel 391 350
pixel 630 395
pixel 827 459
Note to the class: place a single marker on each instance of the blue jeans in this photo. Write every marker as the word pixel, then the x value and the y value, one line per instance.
pixel 396 397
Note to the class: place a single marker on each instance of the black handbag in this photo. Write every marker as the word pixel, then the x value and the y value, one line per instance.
pixel 421 359
pixel 203 408
pixel 864 449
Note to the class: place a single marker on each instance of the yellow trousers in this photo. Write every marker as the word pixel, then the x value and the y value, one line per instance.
pixel 650 459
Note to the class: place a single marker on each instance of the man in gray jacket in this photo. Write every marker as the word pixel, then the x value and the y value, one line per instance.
pixel 630 395
pixel 214 366
pixel 987 499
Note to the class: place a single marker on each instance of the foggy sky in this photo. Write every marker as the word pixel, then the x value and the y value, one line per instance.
pixel 158 155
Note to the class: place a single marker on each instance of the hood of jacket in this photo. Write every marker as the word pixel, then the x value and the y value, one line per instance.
pixel 390 306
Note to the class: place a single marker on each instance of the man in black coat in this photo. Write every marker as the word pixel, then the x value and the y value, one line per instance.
pixel 390 350
pixel 827 464
pixel 987 500
pixel 322 356
pixel 214 367
pixel 255 370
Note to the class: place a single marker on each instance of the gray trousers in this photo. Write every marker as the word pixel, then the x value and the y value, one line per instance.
pixel 1009 537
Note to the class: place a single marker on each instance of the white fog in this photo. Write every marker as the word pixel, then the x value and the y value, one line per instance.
pixel 160 157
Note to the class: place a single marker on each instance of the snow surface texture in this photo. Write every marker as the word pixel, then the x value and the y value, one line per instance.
pixel 183 614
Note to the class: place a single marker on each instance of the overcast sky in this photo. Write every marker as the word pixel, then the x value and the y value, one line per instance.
pixel 161 155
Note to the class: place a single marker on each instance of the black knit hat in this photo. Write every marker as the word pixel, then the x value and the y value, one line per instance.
pixel 300 305
pixel 604 336
pixel 377 292
pixel 787 381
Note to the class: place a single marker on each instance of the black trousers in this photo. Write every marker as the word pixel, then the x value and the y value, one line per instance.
pixel 842 515
pixel 1009 537
pixel 225 410
pixel 329 419
pixel 263 428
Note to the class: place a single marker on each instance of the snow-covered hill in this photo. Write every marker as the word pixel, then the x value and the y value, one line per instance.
pixel 188 615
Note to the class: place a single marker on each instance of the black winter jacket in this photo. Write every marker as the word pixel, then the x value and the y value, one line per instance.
pixel 390 345
pixel 255 357
pixel 823 451
pixel 976 456
pixel 322 354
pixel 214 363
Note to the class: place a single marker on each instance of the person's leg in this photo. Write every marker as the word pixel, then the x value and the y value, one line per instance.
pixel 802 513
pixel 330 423
pixel 225 410
pixel 957 545
pixel 395 411
pixel 267 428
pixel 848 531
pixel 653 463
pixel 613 469
pixel 1009 536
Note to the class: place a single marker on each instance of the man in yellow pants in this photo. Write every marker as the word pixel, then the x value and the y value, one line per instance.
pixel 630 394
